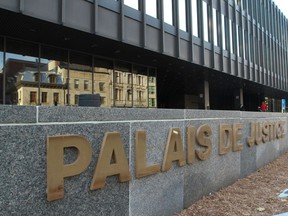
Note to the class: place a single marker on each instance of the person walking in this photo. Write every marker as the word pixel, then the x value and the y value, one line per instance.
pixel 263 107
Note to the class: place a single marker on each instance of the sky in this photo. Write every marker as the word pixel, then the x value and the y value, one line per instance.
pixel 283 6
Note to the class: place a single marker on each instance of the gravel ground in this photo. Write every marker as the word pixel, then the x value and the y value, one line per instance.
pixel 256 194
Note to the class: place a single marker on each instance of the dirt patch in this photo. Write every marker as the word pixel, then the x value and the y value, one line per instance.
pixel 256 194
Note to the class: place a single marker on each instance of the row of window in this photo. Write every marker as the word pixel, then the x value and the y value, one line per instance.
pixel 59 77
pixel 256 9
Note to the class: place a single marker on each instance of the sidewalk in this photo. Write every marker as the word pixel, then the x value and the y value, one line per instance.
pixel 257 194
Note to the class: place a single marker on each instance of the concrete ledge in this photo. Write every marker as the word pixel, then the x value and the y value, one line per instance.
pixel 17 114
pixel 23 154
pixel 75 114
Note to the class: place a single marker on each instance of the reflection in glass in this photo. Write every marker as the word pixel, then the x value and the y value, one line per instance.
pixel 21 73
pixel 168 12
pixel 205 21
pixel 152 90
pixel 223 22
pixel 103 81
pixel 195 18
pixel 182 15
pixel 215 32
pixel 123 85
pixel 232 50
pixel 80 77
pixel 151 8
pixel 140 86
pixel 1 71
pixel 54 75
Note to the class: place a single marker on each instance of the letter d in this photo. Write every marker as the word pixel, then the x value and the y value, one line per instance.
pixel 57 170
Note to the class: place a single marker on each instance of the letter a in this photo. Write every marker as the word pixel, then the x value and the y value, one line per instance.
pixel 174 150
pixel 111 150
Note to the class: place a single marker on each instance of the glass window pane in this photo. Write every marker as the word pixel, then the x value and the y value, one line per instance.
pixel 215 27
pixel 205 21
pixel 103 80
pixel 22 79
pixel 223 32
pixel 123 91
pixel 80 71
pixel 132 3
pixel 195 18
pixel 231 37
pixel 152 88
pixel 168 11
pixel 54 76
pixel 182 15
pixel 140 86
pixel 151 8
pixel 2 83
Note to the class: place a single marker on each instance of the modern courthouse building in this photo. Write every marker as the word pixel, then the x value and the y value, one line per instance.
pixel 194 54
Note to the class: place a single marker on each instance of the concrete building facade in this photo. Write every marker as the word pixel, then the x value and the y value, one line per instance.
pixel 201 54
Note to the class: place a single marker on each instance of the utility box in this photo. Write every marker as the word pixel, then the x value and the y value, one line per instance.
pixel 91 100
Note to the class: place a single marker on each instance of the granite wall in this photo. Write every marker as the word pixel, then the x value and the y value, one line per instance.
pixel 23 179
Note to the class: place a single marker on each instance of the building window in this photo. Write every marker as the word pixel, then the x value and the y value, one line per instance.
pixel 215 29
pixel 132 3
pixel 140 95
pixel 33 97
pixel 151 90
pixel 129 94
pixel 182 15
pixel 224 34
pixel 56 98
pixel 151 8
pixel 76 99
pixel 205 22
pixel 101 86
pixel 168 12
pixel 129 78
pixel 76 83
pixel 86 85
pixel 232 45
pixel 140 80
pixel 195 18
pixel 152 102
pixel 118 76
pixel 52 79
pixel 152 79
pixel 118 94
pixel 44 97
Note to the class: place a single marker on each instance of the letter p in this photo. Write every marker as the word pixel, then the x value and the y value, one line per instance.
pixel 57 170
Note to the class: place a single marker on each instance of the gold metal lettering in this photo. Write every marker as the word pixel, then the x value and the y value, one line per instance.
pixel 203 138
pixel 251 139
pixel 141 161
pixel 190 145
pixel 279 129
pixel 225 144
pixel 112 150
pixel 258 133
pixel 272 134
pixel 265 132
pixel 237 135
pixel 282 129
pixel 174 150
pixel 56 170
